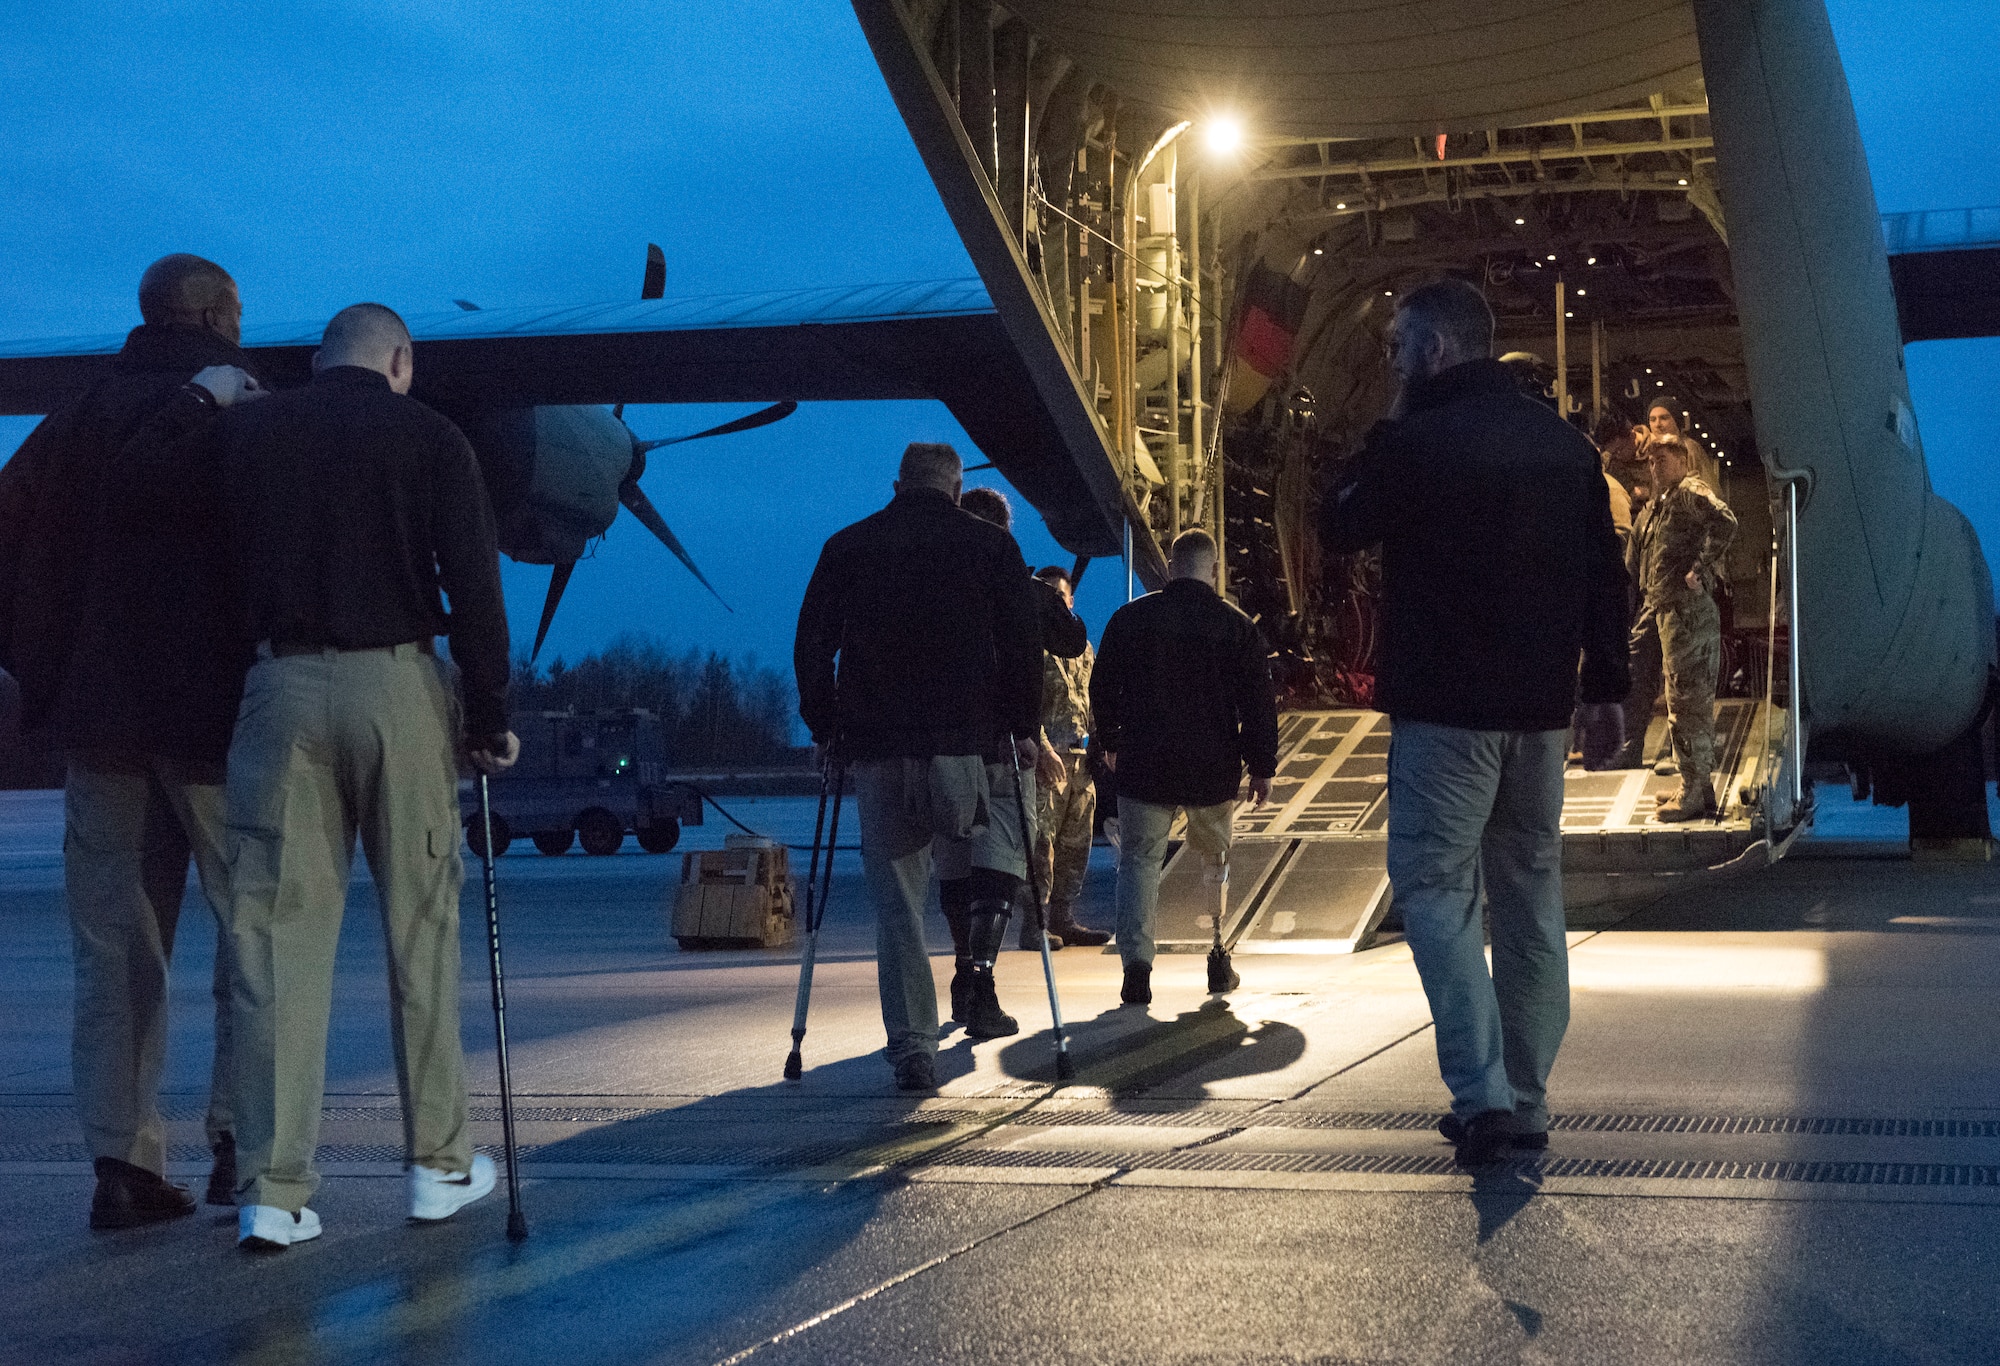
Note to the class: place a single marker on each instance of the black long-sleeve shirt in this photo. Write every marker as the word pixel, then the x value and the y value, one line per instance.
pixel 931 615
pixel 1500 566
pixel 352 512
pixel 1181 693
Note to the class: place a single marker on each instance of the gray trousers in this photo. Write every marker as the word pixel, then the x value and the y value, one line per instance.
pixel 329 746
pixel 969 807
pixel 1468 807
pixel 1143 828
pixel 130 824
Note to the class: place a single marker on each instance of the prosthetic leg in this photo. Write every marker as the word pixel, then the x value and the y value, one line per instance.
pixel 1221 976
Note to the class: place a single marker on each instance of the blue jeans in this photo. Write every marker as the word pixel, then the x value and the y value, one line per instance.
pixel 1473 806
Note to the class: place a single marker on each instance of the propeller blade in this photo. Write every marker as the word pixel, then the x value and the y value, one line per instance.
pixel 763 417
pixel 1076 574
pixel 558 580
pixel 656 273
pixel 618 411
pixel 467 305
pixel 640 506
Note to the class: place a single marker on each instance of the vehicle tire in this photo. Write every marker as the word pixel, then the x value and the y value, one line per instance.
pixel 475 837
pixel 554 843
pixel 661 836
pixel 602 833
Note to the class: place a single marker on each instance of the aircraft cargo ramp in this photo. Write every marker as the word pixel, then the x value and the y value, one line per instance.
pixel 1309 874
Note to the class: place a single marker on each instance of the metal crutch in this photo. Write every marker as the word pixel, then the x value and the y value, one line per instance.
pixel 517 1223
pixel 1065 1068
pixel 832 775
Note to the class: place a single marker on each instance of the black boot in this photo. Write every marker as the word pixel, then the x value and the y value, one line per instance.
pixel 222 1176
pixel 1064 923
pixel 1138 988
pixel 129 1197
pixel 984 1017
pixel 961 988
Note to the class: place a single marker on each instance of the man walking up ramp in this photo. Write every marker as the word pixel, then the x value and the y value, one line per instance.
pixel 1500 569
pixel 1182 699
pixel 350 508
pixel 919 660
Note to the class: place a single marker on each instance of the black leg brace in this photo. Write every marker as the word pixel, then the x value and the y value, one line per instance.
pixel 993 894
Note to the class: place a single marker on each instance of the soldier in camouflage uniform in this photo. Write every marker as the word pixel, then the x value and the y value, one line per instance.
pixel 1677 550
pixel 1066 807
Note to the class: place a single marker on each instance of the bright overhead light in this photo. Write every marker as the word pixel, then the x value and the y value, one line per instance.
pixel 1552 256
pixel 1223 135
pixel 1340 206
pixel 1649 369
pixel 1569 315
pixel 1581 292
pixel 1388 293
pixel 1318 251
pixel 1658 383
pixel 1519 221
pixel 1683 180
pixel 1591 262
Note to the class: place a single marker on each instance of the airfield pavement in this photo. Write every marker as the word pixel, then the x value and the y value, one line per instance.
pixel 1777 1140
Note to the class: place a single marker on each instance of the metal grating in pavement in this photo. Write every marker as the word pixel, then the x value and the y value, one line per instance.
pixel 1213 1160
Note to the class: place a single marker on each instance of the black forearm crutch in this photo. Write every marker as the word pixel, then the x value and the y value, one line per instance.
pixel 832 775
pixel 1065 1069
pixel 517 1223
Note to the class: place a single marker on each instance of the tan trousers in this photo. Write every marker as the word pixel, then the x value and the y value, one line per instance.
pixel 130 823
pixel 329 746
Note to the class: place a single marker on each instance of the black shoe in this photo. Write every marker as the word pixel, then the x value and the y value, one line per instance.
pixel 131 1197
pixel 1453 1129
pixel 222 1176
pixel 1062 923
pixel 1138 988
pixel 1483 1139
pixel 984 1019
pixel 961 989
pixel 1222 978
pixel 914 1073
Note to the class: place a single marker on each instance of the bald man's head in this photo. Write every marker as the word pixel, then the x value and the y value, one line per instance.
pixel 369 336
pixel 188 291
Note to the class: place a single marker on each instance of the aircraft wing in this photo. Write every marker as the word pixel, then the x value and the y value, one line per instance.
pixel 1946 267
pixel 929 340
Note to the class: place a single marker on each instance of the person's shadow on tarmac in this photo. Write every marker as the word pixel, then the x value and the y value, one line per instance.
pixel 1128 1050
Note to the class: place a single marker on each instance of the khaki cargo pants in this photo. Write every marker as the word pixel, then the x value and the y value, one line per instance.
pixel 130 823
pixel 951 813
pixel 330 745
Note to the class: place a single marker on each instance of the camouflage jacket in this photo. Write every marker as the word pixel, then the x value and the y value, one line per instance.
pixel 1066 699
pixel 1686 527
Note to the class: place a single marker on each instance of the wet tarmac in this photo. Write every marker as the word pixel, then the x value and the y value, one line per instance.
pixel 1777 1140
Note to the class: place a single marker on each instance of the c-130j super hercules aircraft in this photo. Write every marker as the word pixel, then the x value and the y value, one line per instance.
pixel 1664 198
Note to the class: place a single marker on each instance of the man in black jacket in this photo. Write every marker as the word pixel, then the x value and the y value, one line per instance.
pixel 927 610
pixel 351 512
pixel 124 649
pixel 1183 704
pixel 1500 568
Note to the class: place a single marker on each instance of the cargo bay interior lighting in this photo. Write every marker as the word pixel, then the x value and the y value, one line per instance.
pixel 1223 135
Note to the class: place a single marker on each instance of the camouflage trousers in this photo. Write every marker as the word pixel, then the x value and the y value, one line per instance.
pixel 1064 815
pixel 1679 645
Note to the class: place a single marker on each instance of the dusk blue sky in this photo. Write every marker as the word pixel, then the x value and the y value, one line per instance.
pixel 524 154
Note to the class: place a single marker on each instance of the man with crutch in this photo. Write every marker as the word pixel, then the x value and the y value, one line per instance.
pixel 1183 703
pixel 919 660
pixel 351 512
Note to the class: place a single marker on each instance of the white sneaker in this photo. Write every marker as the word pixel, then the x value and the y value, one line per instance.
pixel 439 1195
pixel 266 1228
